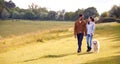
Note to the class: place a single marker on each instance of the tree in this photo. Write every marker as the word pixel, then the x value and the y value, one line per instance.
pixel 10 4
pixel 2 6
pixel 77 13
pixel 7 6
pixel 42 16
pixel 105 14
pixel 21 15
pixel 5 14
pixel 29 15
pixel 91 11
pixel 52 15
pixel 115 11
pixel 69 16
pixel 15 15
pixel 41 13
pixel 60 15
pixel 33 6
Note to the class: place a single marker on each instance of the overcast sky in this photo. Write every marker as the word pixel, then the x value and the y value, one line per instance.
pixel 69 5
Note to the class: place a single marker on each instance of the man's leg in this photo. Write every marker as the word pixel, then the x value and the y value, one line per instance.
pixel 80 38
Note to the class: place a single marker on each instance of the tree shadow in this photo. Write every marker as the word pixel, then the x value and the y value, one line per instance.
pixel 114 38
pixel 117 40
pixel 55 56
pixel 49 56
pixel 106 60
pixel 118 52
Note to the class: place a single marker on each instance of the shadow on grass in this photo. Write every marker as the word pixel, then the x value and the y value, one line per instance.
pixel 55 56
pixel 58 56
pixel 85 53
pixel 49 56
pixel 115 39
pixel 106 60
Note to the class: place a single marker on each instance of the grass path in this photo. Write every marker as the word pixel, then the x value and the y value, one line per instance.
pixel 63 51
pixel 57 52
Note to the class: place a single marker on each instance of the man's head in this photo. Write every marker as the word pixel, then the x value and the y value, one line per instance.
pixel 81 17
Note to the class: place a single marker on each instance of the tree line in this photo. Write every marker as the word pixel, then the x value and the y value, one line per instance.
pixel 8 10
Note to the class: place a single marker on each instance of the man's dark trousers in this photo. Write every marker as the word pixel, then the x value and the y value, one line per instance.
pixel 79 38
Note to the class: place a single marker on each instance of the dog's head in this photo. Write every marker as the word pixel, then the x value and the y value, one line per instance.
pixel 94 42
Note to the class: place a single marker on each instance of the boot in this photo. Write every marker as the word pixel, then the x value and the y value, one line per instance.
pixel 78 51
pixel 89 49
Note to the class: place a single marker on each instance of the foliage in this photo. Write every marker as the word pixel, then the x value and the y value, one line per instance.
pixel 10 4
pixel 106 19
pixel 91 11
pixel 29 15
pixel 5 14
pixel 105 14
pixel 115 11
pixel 69 16
pixel 2 6
pixel 35 12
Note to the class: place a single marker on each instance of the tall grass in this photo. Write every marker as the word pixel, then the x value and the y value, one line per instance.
pixel 17 33
pixel 58 47
pixel 9 28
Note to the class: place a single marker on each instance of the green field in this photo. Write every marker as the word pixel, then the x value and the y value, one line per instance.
pixel 12 27
pixel 57 46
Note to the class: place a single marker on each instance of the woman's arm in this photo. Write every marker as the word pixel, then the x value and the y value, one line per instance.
pixel 85 28
pixel 93 28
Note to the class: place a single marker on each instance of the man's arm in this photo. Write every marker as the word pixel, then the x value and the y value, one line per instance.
pixel 85 28
pixel 75 30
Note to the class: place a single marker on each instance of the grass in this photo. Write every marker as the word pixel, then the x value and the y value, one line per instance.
pixel 11 28
pixel 59 47
pixel 26 32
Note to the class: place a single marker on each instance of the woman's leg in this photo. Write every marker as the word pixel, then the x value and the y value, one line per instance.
pixel 88 42
pixel 87 39
pixel 91 41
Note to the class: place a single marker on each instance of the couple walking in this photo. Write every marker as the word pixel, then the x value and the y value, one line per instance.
pixel 84 28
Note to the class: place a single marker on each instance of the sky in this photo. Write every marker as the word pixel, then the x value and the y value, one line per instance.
pixel 69 5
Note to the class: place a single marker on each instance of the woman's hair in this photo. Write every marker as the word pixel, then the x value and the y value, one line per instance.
pixel 92 19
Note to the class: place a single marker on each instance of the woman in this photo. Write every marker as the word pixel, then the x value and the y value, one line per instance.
pixel 90 31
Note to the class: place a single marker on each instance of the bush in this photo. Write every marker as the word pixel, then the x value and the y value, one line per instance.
pixel 105 14
pixel 106 19
pixel 118 20
pixel 15 15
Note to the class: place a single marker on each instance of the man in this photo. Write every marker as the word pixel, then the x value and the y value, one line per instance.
pixel 80 31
